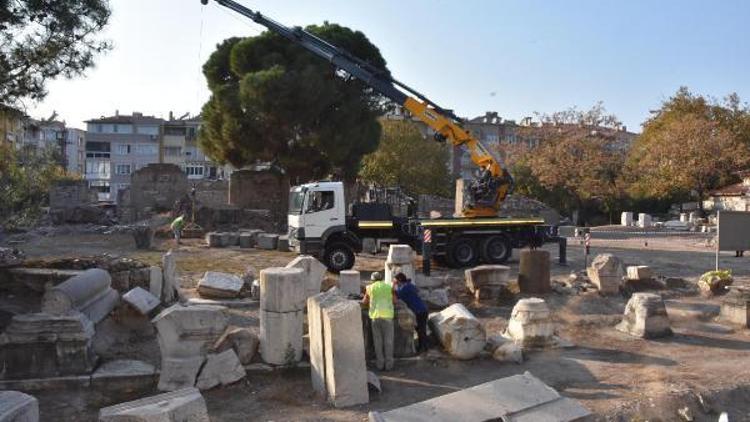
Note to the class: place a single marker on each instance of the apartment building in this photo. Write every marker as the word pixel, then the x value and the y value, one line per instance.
pixel 11 125
pixel 118 145
pixel 180 147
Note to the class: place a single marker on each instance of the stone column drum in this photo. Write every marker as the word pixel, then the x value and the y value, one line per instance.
pixel 534 272
pixel 399 261
pixel 460 332
pixel 530 324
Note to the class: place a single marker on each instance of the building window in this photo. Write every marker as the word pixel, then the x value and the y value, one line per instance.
pixel 146 149
pixel 122 149
pixel 172 151
pixel 97 169
pixel 122 186
pixel 122 169
pixel 491 138
pixel 194 171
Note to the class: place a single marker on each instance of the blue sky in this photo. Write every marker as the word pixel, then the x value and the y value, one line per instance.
pixel 513 57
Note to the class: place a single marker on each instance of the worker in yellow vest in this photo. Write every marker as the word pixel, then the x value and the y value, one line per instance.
pixel 380 297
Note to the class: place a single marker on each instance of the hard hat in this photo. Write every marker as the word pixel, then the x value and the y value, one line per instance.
pixel 376 276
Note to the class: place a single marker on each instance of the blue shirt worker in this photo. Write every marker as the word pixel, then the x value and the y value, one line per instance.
pixel 408 293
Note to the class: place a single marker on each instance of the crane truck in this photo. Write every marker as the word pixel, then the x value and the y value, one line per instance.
pixel 318 221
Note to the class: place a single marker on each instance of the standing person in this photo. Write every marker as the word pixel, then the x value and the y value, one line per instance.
pixel 177 226
pixel 380 298
pixel 407 292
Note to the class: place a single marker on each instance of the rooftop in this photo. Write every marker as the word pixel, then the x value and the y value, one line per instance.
pixel 135 118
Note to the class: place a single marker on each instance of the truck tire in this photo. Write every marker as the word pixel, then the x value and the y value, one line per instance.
pixel 338 257
pixel 462 253
pixel 496 250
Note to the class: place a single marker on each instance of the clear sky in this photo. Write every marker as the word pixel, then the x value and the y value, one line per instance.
pixel 513 57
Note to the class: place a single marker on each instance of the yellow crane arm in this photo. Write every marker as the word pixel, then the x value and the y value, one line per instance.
pixel 499 182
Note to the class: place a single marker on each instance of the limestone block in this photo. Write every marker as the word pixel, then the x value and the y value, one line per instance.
pixel 606 273
pixel 18 407
pixel 460 332
pixel 404 323
pixel 314 273
pixel 267 241
pixel 177 373
pixel 124 376
pixel 531 324
pixel 508 352
pixel 170 283
pixel 233 239
pixel 315 304
pixel 281 337
pixel 220 369
pixel 213 239
pixel 644 220
pixel 428 282
pixel 735 308
pixel 247 240
pixel 392 269
pixel 400 254
pixel 89 293
pixel 435 298
pixel 243 341
pixel 185 405
pixel 370 245
pixel 486 275
pixel 534 272
pixel 43 345
pixel 155 282
pixel 188 331
pixel 349 283
pixel 141 300
pixel 639 272
pixel 224 239
pixel 282 289
pixel 645 316
pixel 626 219
pixel 346 371
pixel 282 244
pixel 220 285
pixel 517 398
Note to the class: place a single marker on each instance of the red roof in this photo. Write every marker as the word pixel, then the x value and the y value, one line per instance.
pixel 737 189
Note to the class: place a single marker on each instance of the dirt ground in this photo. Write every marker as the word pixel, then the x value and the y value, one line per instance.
pixel 616 376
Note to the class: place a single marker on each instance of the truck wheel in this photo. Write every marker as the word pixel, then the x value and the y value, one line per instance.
pixel 495 250
pixel 462 253
pixel 338 257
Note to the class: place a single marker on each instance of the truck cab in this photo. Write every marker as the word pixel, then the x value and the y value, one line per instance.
pixel 318 224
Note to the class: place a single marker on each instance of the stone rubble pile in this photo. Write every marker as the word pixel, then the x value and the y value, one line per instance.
pixel 10 257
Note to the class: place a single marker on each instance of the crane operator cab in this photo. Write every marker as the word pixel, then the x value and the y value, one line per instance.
pixel 317 217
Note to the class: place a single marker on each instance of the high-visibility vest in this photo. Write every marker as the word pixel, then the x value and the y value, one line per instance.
pixel 381 300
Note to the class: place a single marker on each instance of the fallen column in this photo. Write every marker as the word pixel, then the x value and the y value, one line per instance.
pixel 646 317
pixel 282 303
pixel 182 405
pixel 170 282
pixel 18 407
pixel 89 293
pixel 460 332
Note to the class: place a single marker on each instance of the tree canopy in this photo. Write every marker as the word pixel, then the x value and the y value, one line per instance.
pixel 43 39
pixel 689 146
pixel 408 160
pixel 273 101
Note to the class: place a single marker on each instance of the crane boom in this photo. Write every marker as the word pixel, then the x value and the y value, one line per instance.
pixel 486 193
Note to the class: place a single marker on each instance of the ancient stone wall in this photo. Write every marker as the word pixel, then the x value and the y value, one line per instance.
pixel 70 194
pixel 155 188
pixel 260 190
pixel 212 193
